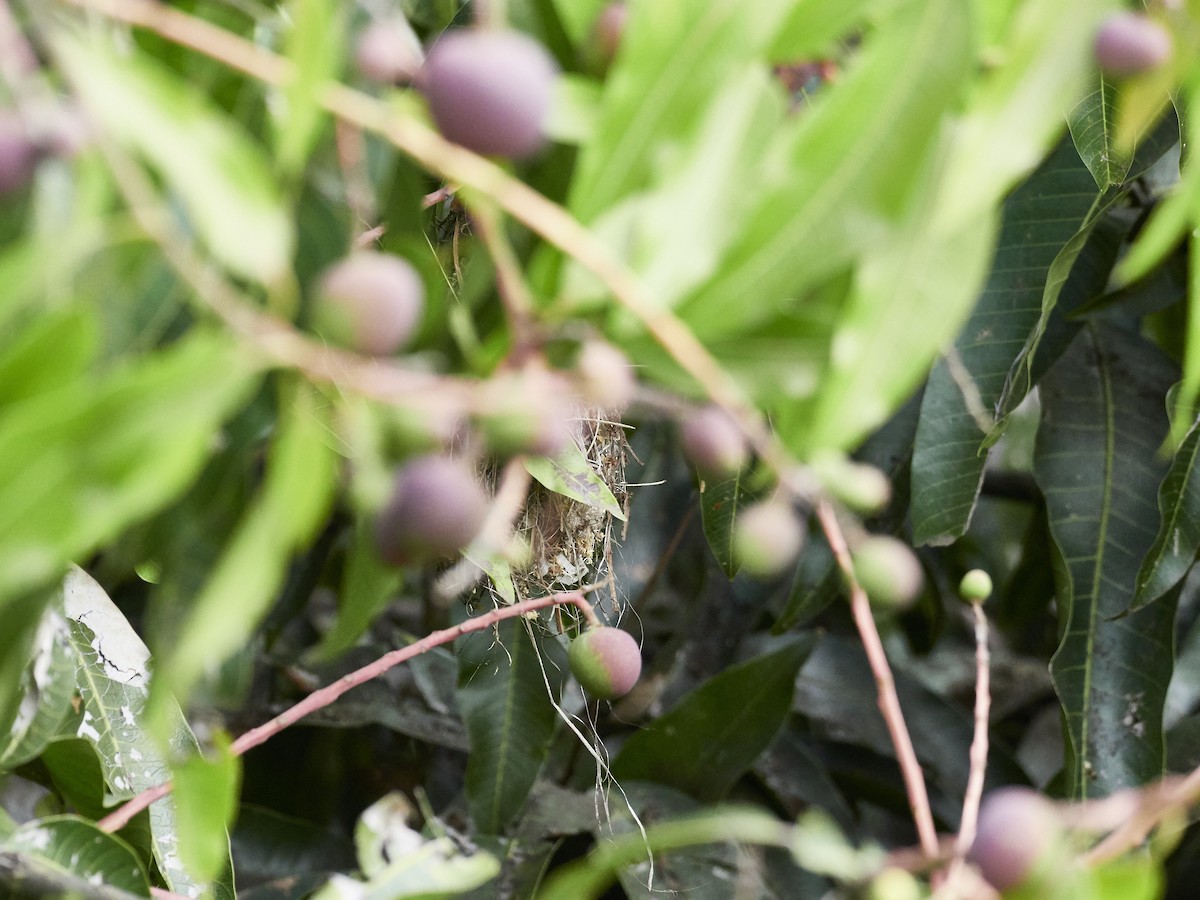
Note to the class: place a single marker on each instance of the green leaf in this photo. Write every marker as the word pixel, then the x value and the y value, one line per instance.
pixel 1097 464
pixel 720 502
pixel 883 344
pixel 509 720
pixel 1178 539
pixel 1092 123
pixel 113 682
pixel 1041 216
pixel 79 465
pixel 69 337
pixel 1032 355
pixel 47 688
pixel 368 586
pixel 572 475
pixel 811 29
pixel 66 855
pixel 313 45
pixel 217 170
pixel 705 742
pixel 845 169
pixel 284 517
pixel 673 60
pixel 206 796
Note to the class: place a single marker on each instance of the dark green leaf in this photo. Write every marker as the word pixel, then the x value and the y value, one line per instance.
pixel 1039 219
pixel 1097 464
pixel 1178 536
pixel 292 505
pixel 720 502
pixel 706 741
pixel 509 719
pixel 1093 124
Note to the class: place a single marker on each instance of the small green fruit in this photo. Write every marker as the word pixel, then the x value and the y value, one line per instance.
pixel 767 538
pixel 888 571
pixel 605 661
pixel 976 586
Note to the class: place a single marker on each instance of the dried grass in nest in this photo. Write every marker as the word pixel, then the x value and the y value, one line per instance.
pixel 570 543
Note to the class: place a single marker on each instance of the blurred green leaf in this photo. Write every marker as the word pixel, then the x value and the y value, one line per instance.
pixel 368 585
pixel 502 695
pixel 68 337
pixel 1097 465
pixel 291 506
pixel 206 795
pixel 706 741
pixel 81 463
pixel 811 29
pixel 66 855
pixel 313 44
pixel 219 173
pixel 673 60
pixel 864 136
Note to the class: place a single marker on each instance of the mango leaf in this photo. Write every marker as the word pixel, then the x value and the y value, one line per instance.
pixel 812 29
pixel 313 45
pixel 368 585
pixel 865 136
pixel 1025 368
pixel 571 475
pixel 674 58
pixel 83 463
pixel 47 688
pixel 1097 464
pixel 206 797
pixel 947 466
pixel 1178 538
pixel 906 302
pixel 69 856
pixel 113 683
pixel 720 502
pixel 217 170
pixel 290 507
pixel 705 742
pixel 1092 123
pixel 509 719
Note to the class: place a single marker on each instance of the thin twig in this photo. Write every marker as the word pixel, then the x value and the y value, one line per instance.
pixel 885 683
pixel 317 700
pixel 979 751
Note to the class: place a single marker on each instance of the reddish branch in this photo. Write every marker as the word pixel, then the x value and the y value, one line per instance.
pixel 889 702
pixel 120 817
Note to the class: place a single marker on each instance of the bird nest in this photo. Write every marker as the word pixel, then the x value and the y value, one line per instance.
pixel 570 541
